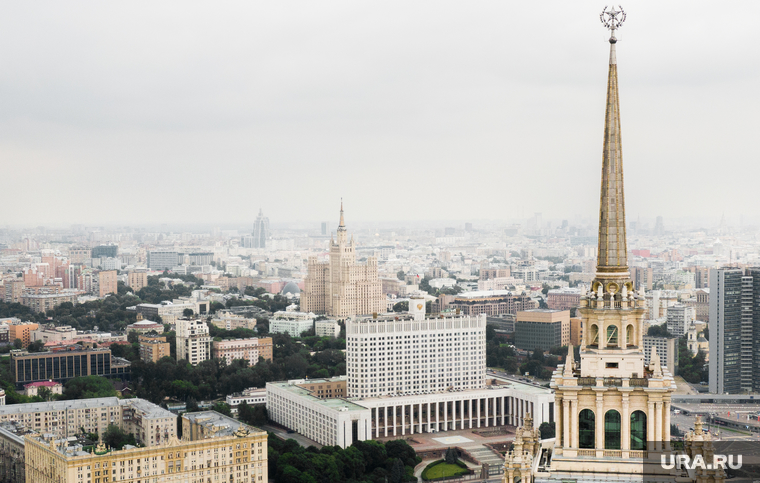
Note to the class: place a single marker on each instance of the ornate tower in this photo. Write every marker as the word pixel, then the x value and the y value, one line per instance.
pixel 612 414
pixel 611 410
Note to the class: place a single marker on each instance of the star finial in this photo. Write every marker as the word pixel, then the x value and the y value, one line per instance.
pixel 612 19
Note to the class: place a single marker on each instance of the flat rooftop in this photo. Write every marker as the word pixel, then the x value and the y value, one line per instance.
pixel 332 403
pixel 217 424
pixel 149 409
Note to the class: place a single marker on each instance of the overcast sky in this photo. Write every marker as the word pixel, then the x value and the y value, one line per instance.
pixel 130 112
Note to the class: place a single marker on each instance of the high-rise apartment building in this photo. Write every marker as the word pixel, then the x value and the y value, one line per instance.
pixel 679 319
pixel 341 287
pixel 107 282
pixel 193 341
pixel 260 231
pixel 14 290
pixel 734 328
pixel 137 279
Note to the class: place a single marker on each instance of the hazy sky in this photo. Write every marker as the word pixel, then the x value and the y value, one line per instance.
pixel 130 112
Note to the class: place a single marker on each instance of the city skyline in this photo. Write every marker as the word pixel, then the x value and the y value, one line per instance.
pixel 133 110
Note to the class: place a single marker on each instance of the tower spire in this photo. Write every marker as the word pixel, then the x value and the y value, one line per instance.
pixel 342 223
pixel 612 260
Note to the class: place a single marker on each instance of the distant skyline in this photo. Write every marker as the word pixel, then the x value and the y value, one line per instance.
pixel 197 113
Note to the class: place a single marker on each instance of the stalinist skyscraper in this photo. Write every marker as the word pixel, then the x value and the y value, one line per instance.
pixel 341 287
pixel 612 413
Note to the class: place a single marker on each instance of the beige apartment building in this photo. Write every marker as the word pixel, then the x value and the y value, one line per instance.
pixel 341 287
pixel 246 349
pixel 151 424
pixel 542 329
pixel 214 448
pixel 45 299
pixel 137 279
pixel 23 331
pixel 107 282
pixel 153 349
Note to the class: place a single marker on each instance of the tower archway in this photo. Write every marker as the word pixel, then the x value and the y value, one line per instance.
pixel 612 429
pixel 586 429
pixel 638 430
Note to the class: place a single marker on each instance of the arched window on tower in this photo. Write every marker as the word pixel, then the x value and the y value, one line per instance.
pixel 593 335
pixel 629 340
pixel 612 430
pixel 612 336
pixel 586 429
pixel 638 430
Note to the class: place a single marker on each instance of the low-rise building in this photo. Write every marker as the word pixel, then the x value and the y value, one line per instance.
pixel 44 300
pixel 292 323
pixel 251 396
pixel 66 363
pixel 493 302
pixel 146 326
pixel 326 328
pixel 504 323
pixel 246 349
pixel 153 349
pixel 229 321
pixel 563 298
pixel 50 332
pixel 32 389
pixel 542 329
pixel 339 421
pixel 22 331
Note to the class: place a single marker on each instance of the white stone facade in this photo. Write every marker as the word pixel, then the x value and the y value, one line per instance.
pixel 399 355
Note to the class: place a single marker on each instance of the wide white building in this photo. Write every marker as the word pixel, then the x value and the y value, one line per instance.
pixel 326 328
pixel 407 374
pixel 409 354
pixel 293 323
pixel 193 341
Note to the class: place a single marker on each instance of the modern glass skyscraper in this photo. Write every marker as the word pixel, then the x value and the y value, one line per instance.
pixel 260 231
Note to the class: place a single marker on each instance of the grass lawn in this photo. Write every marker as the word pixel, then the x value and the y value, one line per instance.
pixel 441 470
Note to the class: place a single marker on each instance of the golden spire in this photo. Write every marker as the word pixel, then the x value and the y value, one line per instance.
pixel 612 260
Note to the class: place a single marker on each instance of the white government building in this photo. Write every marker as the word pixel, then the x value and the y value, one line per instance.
pixel 407 374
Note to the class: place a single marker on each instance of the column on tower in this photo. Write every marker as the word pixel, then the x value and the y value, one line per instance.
pixel 574 411
pixel 599 423
pixel 566 419
pixel 658 425
pixel 559 421
pixel 625 424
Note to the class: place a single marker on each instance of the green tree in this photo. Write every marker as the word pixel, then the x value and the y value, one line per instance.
pixel 223 408
pixel 659 331
pixel 546 430
pixel 116 438
pixel 88 387
pixel 18 344
pixel 187 313
pixel 451 457
pixel 397 471
pixel 401 307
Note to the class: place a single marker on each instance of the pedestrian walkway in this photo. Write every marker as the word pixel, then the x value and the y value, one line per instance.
pixel 484 454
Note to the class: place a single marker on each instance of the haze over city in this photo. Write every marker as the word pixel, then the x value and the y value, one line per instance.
pixel 179 112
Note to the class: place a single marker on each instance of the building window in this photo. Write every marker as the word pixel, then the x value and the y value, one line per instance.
pixel 638 431
pixel 612 336
pixel 586 428
pixel 612 430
